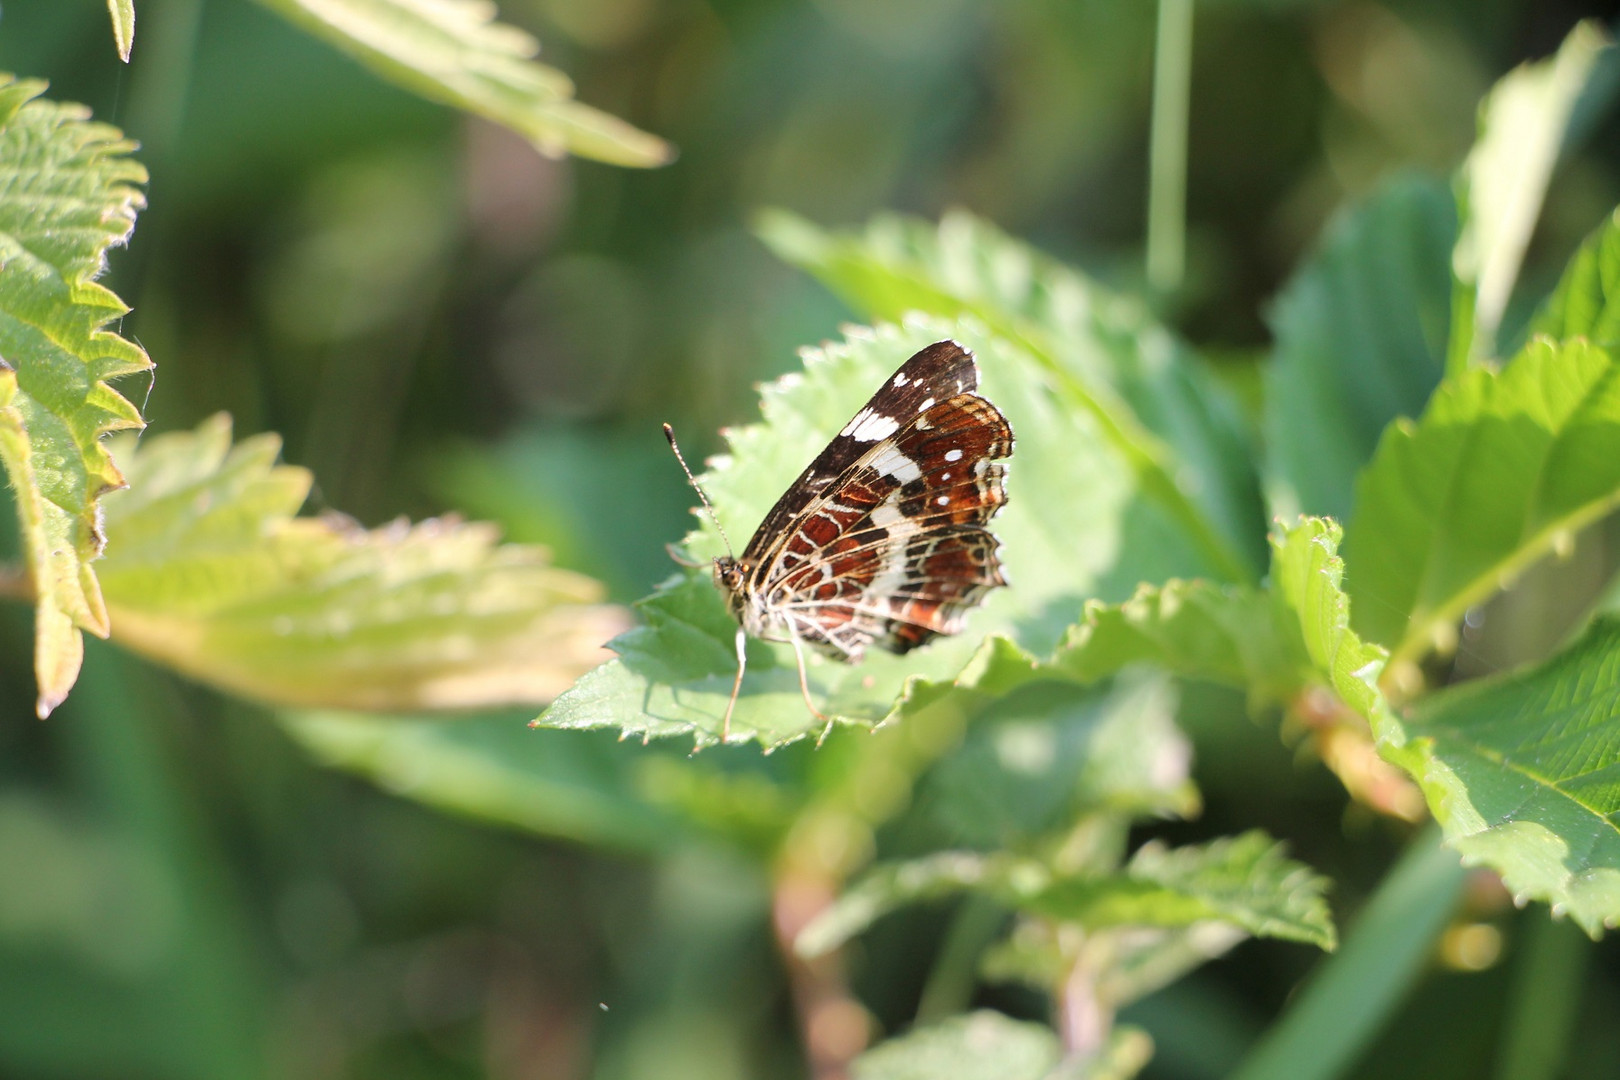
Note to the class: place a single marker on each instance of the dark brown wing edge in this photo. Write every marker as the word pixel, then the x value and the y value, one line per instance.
pixel 940 371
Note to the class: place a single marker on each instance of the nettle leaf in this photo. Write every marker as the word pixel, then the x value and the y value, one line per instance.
pixel 1523 122
pixel 123 23
pixel 988 1045
pixel 1244 881
pixel 1501 468
pixel 208 571
pixel 1228 634
pixel 1587 300
pixel 452 51
pixel 1360 332
pixel 1077 525
pixel 1521 773
pixel 67 194
pixel 1172 423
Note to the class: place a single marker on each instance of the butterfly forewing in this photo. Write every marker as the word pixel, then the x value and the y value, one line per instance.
pixel 882 538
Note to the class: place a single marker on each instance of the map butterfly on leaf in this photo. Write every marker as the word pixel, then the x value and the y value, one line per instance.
pixel 883 539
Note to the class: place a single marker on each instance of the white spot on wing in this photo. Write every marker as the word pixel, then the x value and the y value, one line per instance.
pixel 926 405
pixel 900 378
pixel 953 455
pixel 869 426
pixel 943 500
pixel 887 513
pixel 889 461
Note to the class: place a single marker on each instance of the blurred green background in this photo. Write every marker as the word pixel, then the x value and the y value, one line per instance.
pixel 438 319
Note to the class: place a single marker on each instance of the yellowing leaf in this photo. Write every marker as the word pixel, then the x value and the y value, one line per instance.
pixel 67 194
pixel 452 51
pixel 208 571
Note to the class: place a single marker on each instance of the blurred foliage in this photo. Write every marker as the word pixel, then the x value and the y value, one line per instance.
pixel 437 319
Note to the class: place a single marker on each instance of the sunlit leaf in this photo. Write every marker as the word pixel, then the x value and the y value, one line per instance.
pixel 1360 333
pixel 209 571
pixel 1167 418
pixel 1522 123
pixel 452 51
pixel 1076 526
pixel 1500 469
pixel 987 1045
pixel 123 22
pixel 1521 774
pixel 1229 634
pixel 1587 300
pixel 67 194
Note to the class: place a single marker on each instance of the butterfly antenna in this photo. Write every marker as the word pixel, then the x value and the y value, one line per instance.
pixel 669 433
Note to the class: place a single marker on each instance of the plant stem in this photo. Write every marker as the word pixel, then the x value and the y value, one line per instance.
pixel 950 984
pixel 1167 165
pixel 1084 1019
pixel 832 1023
pixel 1545 998
pixel 1345 1004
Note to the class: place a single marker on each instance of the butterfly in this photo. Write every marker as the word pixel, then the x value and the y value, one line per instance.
pixel 882 540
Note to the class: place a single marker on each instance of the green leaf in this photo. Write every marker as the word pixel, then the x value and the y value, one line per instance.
pixel 1242 880
pixel 1307 577
pixel 451 51
pixel 987 1045
pixel 67 194
pixel 1034 760
pixel 208 571
pixel 1522 125
pixel 1076 526
pixel 1360 333
pixel 1331 1021
pixel 1587 300
pixel 1228 634
pixel 1521 772
pixel 123 22
pixel 1500 469
pixel 583 788
pixel 1170 421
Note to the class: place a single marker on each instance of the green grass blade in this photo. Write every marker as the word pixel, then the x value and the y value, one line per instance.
pixel 1342 1008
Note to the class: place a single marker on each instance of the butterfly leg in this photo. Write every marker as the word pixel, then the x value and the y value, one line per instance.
pixel 804 687
pixel 736 685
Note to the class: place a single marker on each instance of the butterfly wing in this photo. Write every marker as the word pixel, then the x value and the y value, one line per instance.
pixel 892 549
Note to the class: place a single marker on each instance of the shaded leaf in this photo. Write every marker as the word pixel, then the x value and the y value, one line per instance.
pixel 1500 469
pixel 1075 526
pixel 1587 300
pixel 582 787
pixel 1360 332
pixel 1034 760
pixel 452 51
pixel 1163 412
pixel 67 194
pixel 1523 122
pixel 1523 774
pixel 1242 880
pixel 208 571
pixel 992 1046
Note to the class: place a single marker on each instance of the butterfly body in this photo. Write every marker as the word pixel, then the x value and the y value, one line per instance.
pixel 882 540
